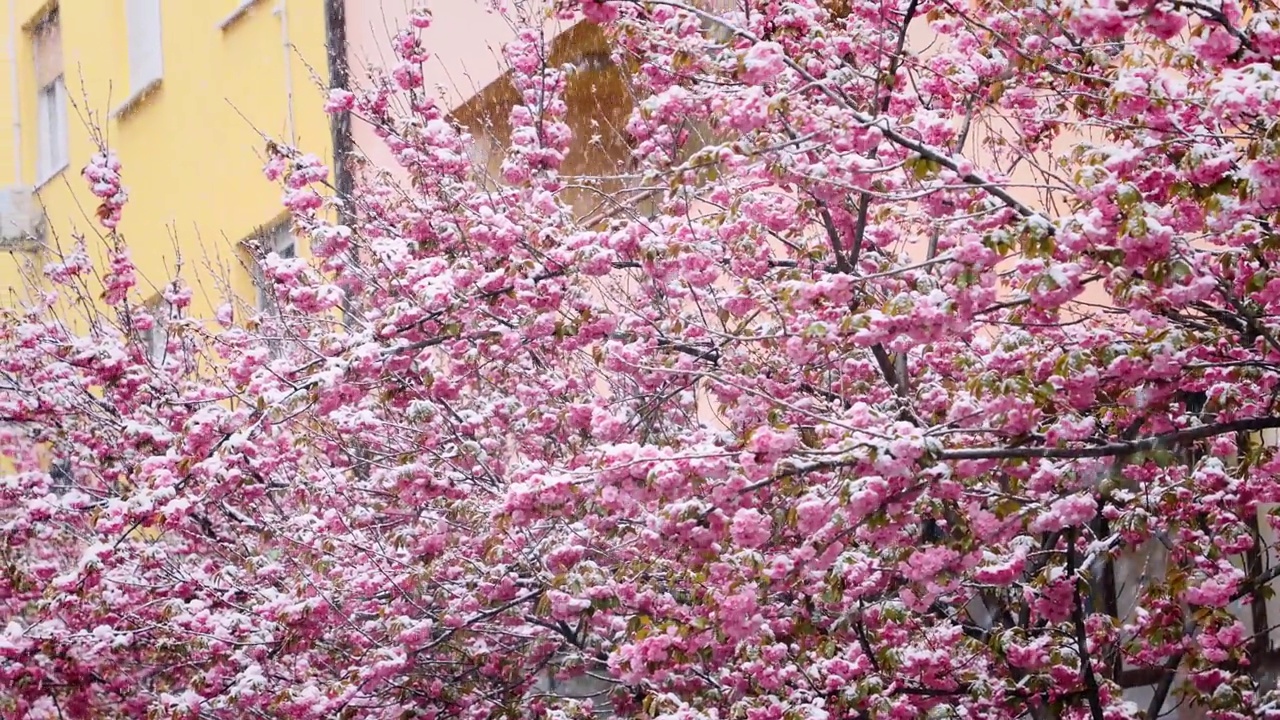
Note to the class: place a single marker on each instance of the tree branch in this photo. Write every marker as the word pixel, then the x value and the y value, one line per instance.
pixel 864 199
pixel 1116 448
pixel 1082 643
pixel 877 121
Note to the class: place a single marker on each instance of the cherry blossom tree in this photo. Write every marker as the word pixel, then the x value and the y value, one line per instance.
pixel 937 383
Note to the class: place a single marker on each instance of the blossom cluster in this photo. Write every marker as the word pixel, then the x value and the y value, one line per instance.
pixel 934 380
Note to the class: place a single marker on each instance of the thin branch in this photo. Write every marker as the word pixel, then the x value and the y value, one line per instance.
pixel 1113 449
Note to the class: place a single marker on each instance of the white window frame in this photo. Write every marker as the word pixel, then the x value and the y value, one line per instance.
pixel 52 154
pixel 61 478
pixel 156 340
pixel 480 154
pixel 279 240
pixel 51 130
pixel 146 48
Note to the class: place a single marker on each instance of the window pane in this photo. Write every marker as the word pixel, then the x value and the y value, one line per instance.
pixel 60 476
pixel 282 242
pixel 58 124
pixel 46 111
pixel 145 55
pixel 157 338
pixel 278 240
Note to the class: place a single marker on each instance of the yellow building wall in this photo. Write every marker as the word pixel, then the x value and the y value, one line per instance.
pixel 192 149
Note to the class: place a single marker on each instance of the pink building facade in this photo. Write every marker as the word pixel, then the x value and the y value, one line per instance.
pixel 466 72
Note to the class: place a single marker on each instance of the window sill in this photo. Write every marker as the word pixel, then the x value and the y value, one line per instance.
pixel 43 182
pixel 134 101
pixel 24 245
pixel 241 10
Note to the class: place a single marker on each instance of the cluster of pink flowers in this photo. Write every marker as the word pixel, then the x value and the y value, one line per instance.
pixel 871 412
pixel 103 175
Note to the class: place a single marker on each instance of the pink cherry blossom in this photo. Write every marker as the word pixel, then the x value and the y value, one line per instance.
pixel 763 62
pixel 872 361
pixel 750 528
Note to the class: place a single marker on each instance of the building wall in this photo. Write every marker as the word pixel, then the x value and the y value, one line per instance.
pixel 465 40
pixel 192 148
